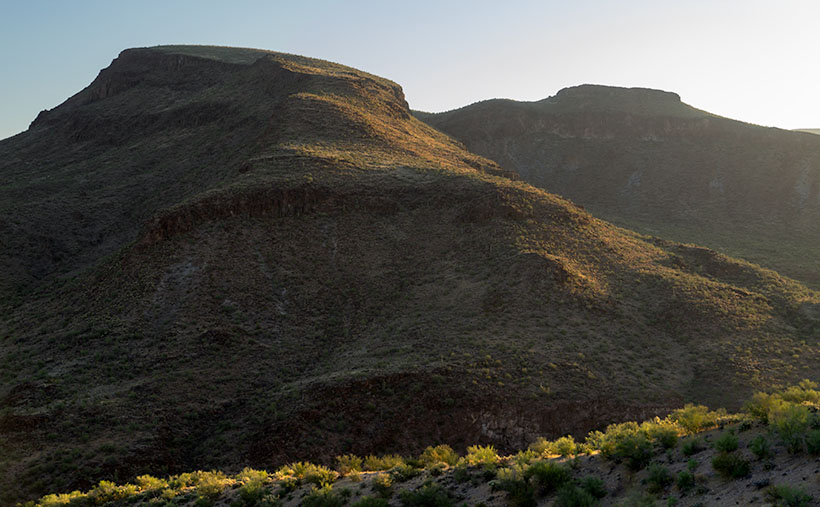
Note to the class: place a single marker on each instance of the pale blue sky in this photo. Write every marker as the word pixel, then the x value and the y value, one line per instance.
pixel 752 60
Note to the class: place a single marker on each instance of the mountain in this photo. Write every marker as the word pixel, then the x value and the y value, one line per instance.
pixel 220 257
pixel 644 160
pixel 810 131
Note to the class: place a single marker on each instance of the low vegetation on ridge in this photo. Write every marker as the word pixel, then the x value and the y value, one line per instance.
pixel 694 456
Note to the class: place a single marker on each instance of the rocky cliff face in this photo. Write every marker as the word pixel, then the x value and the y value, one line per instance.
pixel 644 159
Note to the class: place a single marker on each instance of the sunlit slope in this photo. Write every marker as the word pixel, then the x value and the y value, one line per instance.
pixel 645 160
pixel 219 259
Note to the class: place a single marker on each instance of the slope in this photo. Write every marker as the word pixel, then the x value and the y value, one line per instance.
pixel 643 159
pixel 221 257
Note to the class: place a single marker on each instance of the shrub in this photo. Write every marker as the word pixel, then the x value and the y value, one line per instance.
pixel 348 463
pixel 695 418
pixel 149 483
pixel 594 486
pixel 635 449
pixel 481 455
pixel 439 454
pixel 383 485
pixel 377 464
pixel 730 466
pixel 547 476
pixel 308 472
pixel 572 496
pixel 430 495
pixel 210 485
pixel 788 496
pixel 692 446
pixel 791 422
pixel 727 442
pixel 253 485
pixel 658 478
pixel 323 497
pixel 565 446
pixel 403 473
pixel 760 447
pixel 370 501
pixel 813 442
pixel 461 474
pixel 107 491
pixel 541 446
pixel 685 481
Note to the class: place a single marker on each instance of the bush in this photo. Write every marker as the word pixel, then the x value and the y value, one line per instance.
pixel 788 496
pixel 520 492
pixel 430 495
pixel 149 483
pixel 565 446
pixel 685 481
pixel 308 472
pixel 347 464
pixel 541 446
pixel 571 496
pixel 481 455
pixel 791 422
pixel 107 491
pixel 324 497
pixel 727 442
pixel 253 486
pixel 547 476
pixel 461 474
pixel 369 501
pixel 439 454
pixel 730 466
pixel 760 447
pixel 594 486
pixel 210 485
pixel 377 464
pixel 383 486
pixel 635 449
pixel 813 442
pixel 695 418
pixel 692 446
pixel 658 478
pixel 404 473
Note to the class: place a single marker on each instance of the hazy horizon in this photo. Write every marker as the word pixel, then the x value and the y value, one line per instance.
pixel 745 60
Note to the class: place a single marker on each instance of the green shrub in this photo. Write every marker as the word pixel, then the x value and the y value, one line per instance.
pixel 727 442
pixel 788 496
pixel 565 446
pixel 546 476
pixel 383 485
pixel 730 465
pixel 461 474
pixel 695 418
pixel 635 449
pixel 439 454
pixel 323 497
pixel 572 496
pixel 107 491
pixel 347 464
pixel 520 493
pixel 370 501
pixel 685 481
pixel 149 483
pixel 658 478
pixel 541 446
pixel 594 486
pixel 309 473
pixel 692 446
pixel 481 455
pixel 210 485
pixel 430 495
pixel 791 423
pixel 760 447
pixel 813 442
pixel 377 464
pixel 404 473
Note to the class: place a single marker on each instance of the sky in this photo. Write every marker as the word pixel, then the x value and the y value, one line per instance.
pixel 751 60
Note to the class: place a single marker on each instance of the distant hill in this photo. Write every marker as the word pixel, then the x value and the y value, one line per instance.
pixel 215 257
pixel 643 159
pixel 810 131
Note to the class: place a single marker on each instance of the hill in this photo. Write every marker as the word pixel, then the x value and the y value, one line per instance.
pixel 222 257
pixel 644 160
pixel 693 456
pixel 810 131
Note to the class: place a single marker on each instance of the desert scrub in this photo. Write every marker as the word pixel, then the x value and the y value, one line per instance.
pixel 429 495
pixel 696 418
pixel 730 465
pixel 307 472
pixel 813 442
pixel 348 464
pixel 727 442
pixel 383 486
pixel 685 481
pixel 760 447
pixel 323 497
pixel 438 455
pixel 594 486
pixel 658 478
pixel 572 496
pixel 376 464
pixel 788 496
pixel 148 483
pixel 481 455
pixel 404 473
pixel 692 446
pixel 253 486
pixel 791 423
pixel 547 476
pixel 370 501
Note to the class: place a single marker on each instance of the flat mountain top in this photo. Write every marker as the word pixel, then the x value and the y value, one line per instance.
pixel 211 263
pixel 645 160
pixel 810 131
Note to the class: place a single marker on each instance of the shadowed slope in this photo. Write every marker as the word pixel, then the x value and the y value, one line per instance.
pixel 257 260
pixel 645 160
